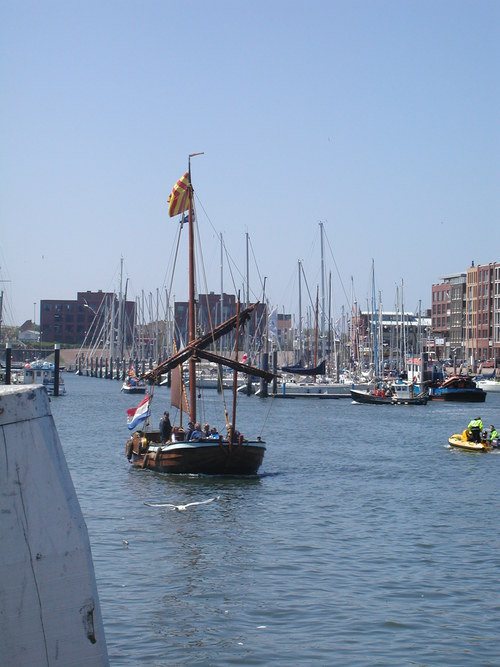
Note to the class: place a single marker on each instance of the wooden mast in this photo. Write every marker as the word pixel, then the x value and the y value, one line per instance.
pixel 192 317
pixel 235 375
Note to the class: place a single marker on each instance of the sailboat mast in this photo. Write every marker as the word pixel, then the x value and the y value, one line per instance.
pixel 120 298
pixel 300 312
pixel 374 321
pixel 316 329
pixel 248 273
pixel 235 375
pixel 192 322
pixel 322 294
pixel 221 286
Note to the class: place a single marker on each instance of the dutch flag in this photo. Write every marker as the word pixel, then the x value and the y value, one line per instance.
pixel 137 415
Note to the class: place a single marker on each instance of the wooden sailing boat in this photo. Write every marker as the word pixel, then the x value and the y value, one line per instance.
pixel 231 454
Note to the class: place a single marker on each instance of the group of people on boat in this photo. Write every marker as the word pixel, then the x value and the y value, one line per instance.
pixel 194 431
pixel 382 391
pixel 475 432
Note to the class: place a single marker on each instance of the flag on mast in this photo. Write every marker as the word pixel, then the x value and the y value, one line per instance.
pixel 137 415
pixel 178 200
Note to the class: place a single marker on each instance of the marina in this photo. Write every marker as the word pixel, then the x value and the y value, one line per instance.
pixel 199 464
pixel 351 561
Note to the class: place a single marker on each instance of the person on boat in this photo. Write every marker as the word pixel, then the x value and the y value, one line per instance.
pixel 475 428
pixel 493 436
pixel 178 434
pixel 190 429
pixel 232 436
pixel 206 431
pixel 165 428
pixel 196 433
pixel 214 433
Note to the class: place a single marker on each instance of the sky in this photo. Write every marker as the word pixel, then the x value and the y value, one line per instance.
pixel 378 119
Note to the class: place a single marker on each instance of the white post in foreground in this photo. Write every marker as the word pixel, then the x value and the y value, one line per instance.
pixel 49 605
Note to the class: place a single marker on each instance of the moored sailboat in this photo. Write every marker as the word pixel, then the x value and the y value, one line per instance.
pixel 192 450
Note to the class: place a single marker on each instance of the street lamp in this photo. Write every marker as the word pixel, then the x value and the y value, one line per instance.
pixel 86 305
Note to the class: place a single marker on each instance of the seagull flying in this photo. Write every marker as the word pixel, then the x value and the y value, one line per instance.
pixel 181 508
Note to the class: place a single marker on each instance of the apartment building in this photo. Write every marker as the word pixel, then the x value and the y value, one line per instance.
pixel 466 314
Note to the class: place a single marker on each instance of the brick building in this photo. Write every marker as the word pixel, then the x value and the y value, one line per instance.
pixel 466 314
pixel 69 322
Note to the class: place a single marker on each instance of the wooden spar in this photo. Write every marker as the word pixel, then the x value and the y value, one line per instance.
pixel 235 380
pixel 192 323
pixel 236 365
pixel 199 344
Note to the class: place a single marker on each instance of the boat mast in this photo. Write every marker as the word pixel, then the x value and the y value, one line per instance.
pixel 404 331
pixel 221 320
pixel 322 294
pixel 248 273
pixel 316 329
pixel 192 322
pixel 120 297
pixel 235 374
pixel 374 321
pixel 300 312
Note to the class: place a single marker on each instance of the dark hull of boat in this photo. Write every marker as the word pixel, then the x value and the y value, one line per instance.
pixel 465 396
pixel 365 397
pixel 205 458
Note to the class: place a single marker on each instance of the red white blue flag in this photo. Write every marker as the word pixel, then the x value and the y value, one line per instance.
pixel 137 415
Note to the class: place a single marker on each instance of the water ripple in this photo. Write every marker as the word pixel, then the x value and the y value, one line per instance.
pixel 375 549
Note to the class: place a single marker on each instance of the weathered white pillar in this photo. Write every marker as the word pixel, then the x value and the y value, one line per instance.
pixel 49 606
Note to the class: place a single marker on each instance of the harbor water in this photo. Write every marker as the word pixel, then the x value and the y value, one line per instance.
pixel 364 540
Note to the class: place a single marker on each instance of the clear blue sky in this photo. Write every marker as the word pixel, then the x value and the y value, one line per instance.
pixel 380 119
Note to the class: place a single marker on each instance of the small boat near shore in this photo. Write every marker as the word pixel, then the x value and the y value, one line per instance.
pixel 456 440
pixel 399 393
pixel 133 386
pixel 44 373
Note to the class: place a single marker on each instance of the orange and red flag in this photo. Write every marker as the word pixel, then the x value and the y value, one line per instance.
pixel 178 201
